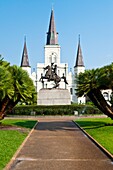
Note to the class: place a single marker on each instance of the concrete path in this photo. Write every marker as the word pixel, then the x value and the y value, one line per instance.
pixel 58 144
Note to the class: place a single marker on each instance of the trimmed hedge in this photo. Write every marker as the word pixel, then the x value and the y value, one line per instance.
pixel 54 110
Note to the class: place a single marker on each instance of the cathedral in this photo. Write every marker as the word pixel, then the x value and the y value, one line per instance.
pixel 52 52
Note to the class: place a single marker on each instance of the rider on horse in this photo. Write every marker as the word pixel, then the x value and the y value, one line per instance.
pixel 51 75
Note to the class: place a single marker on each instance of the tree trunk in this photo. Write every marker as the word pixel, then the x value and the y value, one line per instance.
pixel 104 104
pixel 3 106
pixel 11 105
pixel 97 98
pixel 2 115
pixel 93 98
pixel 7 106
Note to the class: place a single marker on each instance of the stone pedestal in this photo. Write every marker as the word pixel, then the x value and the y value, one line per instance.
pixel 54 97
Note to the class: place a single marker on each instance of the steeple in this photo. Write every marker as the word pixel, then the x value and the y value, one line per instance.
pixel 52 35
pixel 79 58
pixel 25 61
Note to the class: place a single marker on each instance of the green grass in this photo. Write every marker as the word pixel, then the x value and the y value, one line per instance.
pixel 18 122
pixel 10 140
pixel 101 129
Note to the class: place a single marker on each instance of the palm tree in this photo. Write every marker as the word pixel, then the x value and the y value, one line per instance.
pixel 23 86
pixel 92 82
pixel 6 89
pixel 17 87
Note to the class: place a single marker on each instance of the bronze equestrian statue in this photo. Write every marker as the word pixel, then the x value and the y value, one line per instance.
pixel 51 75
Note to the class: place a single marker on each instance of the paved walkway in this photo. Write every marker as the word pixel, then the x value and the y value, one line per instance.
pixel 58 144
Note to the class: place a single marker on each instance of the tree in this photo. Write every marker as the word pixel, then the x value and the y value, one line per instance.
pixel 15 86
pixel 6 89
pixel 91 82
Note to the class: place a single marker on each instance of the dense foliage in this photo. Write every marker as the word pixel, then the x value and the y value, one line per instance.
pixel 91 82
pixel 15 86
pixel 55 110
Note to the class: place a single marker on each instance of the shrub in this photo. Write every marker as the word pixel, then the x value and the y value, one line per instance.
pixel 54 110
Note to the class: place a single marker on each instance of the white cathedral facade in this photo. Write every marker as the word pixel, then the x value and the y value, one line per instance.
pixel 52 53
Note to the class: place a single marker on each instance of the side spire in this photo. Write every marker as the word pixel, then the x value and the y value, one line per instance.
pixel 79 58
pixel 25 60
pixel 52 35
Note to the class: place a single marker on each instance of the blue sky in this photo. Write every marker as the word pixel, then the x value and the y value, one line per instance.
pixel 92 19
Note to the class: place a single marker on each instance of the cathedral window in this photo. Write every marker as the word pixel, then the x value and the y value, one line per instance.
pixel 71 90
pixel 53 59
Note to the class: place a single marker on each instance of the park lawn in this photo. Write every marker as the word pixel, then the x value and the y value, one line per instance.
pixel 10 140
pixel 19 122
pixel 101 129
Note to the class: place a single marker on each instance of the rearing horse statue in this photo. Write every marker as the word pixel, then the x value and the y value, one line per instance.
pixel 51 75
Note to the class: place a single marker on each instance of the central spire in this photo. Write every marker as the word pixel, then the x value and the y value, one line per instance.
pixel 52 35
